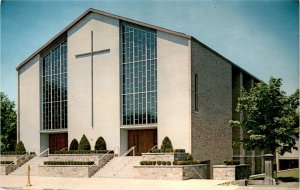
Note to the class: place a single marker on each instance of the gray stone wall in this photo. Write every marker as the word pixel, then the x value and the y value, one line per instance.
pixel 211 133
pixel 233 172
pixel 81 157
pixel 170 172
pixel 7 169
pixel 164 156
pixel 67 171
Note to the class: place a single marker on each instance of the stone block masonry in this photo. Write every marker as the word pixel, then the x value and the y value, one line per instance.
pixel 81 157
pixel 67 171
pixel 170 172
pixel 164 156
pixel 231 172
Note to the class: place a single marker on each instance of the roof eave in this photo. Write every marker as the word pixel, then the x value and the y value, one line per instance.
pixel 91 10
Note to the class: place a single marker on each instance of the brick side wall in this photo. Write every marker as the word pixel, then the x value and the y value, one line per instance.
pixel 211 133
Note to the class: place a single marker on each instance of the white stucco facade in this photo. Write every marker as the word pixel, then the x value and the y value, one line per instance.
pixel 106 81
pixel 29 105
pixel 173 89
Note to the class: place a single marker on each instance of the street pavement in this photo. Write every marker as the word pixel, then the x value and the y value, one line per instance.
pixel 65 183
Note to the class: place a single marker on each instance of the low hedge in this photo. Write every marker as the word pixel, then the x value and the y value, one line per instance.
pixel 147 162
pixel 155 162
pixel 161 151
pixel 83 152
pixel 166 151
pixel 68 162
pixel 232 162
pixel 188 162
pixel 179 151
pixel 6 162
pixel 16 153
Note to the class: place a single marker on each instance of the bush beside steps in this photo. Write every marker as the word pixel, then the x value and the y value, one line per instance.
pixel 84 152
pixel 68 162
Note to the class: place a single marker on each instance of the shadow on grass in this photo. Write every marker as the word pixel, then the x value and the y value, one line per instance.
pixel 288 179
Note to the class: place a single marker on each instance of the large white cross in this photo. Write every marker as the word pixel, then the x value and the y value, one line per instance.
pixel 91 54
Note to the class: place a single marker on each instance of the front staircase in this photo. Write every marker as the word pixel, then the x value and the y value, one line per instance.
pixel 121 167
pixel 34 163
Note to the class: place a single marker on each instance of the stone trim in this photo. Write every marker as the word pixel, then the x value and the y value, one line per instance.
pixel 170 172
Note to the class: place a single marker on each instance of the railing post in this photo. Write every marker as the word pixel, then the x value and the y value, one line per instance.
pixel 28 176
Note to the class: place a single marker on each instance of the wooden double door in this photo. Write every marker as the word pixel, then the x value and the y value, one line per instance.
pixel 58 142
pixel 143 140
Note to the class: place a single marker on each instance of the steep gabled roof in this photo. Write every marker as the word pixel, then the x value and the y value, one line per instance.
pixel 91 10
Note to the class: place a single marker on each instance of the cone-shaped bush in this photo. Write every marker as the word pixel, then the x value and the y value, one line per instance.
pixel 20 147
pixel 84 144
pixel 100 144
pixel 74 145
pixel 166 145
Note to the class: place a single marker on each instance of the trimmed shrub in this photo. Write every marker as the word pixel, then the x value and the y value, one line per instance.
pixel 166 145
pixel 189 157
pixel 74 145
pixel 84 152
pixel 231 162
pixel 168 163
pixel 6 162
pixel 189 162
pixel 158 162
pixel 20 147
pixel 163 163
pixel 179 151
pixel 68 162
pixel 100 144
pixel 84 144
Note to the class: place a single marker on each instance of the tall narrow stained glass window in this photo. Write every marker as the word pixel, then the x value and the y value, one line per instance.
pixel 54 99
pixel 139 75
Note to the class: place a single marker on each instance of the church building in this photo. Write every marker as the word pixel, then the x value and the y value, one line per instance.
pixel 133 84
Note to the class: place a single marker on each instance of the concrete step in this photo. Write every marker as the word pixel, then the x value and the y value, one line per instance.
pixel 119 167
pixel 34 163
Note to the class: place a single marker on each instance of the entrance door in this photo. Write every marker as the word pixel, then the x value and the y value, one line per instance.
pixel 143 140
pixel 58 142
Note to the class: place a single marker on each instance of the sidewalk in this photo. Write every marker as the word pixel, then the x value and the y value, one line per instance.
pixel 19 182
pixel 61 183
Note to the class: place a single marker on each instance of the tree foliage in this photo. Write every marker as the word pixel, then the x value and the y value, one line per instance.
pixel 100 144
pixel 74 145
pixel 84 144
pixel 8 124
pixel 270 118
pixel 166 145
pixel 20 147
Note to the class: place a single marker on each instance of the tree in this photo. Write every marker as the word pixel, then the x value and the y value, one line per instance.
pixel 8 124
pixel 84 144
pixel 20 147
pixel 100 144
pixel 166 145
pixel 74 145
pixel 270 118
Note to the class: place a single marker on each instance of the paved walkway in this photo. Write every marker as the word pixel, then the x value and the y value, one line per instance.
pixel 19 182
pixel 50 183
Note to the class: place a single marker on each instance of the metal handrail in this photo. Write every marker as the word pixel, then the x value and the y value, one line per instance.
pixel 47 150
pixel 128 151
pixel 123 158
pixel 154 147
pixel 63 148
pixel 197 172
pixel 105 155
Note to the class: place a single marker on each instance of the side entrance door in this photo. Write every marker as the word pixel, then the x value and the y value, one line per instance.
pixel 58 142
pixel 143 140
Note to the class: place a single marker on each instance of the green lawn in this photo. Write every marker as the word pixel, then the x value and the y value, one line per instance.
pixel 289 175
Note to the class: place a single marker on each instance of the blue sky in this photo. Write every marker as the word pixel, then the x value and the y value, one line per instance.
pixel 259 36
